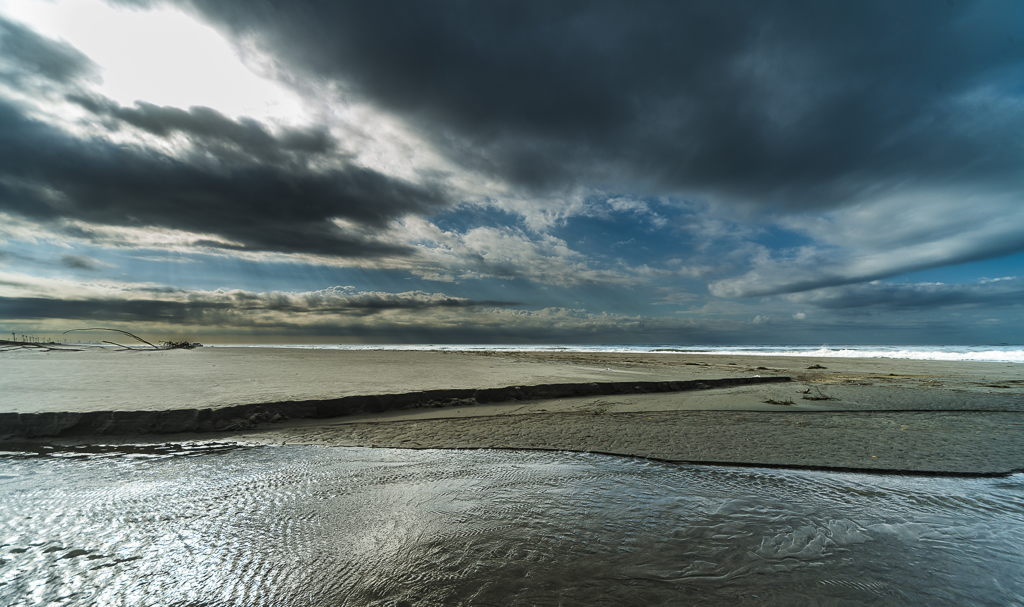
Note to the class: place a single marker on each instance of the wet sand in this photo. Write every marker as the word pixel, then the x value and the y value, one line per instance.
pixel 852 414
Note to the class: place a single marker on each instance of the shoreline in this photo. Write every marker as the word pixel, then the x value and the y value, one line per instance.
pixel 864 415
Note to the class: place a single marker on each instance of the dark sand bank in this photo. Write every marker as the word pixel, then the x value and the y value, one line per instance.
pixel 857 414
pixel 169 421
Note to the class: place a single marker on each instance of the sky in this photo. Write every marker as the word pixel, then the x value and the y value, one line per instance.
pixel 701 172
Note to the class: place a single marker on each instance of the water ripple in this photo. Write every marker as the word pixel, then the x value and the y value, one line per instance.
pixel 188 525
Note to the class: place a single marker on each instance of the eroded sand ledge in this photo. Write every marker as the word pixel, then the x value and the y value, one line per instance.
pixel 64 424
pixel 867 414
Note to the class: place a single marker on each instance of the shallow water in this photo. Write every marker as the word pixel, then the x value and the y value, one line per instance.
pixel 346 526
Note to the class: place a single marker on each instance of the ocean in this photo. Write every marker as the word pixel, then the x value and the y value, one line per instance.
pixel 979 353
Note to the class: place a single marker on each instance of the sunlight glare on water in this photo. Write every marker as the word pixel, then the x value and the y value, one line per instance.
pixel 347 526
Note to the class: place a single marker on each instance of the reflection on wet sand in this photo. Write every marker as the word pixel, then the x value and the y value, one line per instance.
pixel 343 526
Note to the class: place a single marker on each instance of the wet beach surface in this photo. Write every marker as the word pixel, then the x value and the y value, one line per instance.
pixel 952 443
pixel 846 414
pixel 868 482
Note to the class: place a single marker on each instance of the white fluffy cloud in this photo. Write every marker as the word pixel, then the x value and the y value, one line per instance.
pixel 506 253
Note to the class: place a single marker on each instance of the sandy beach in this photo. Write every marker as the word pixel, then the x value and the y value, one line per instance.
pixel 881 415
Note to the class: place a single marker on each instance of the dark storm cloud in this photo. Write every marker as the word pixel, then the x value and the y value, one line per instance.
pixel 214 132
pixel 34 308
pixel 236 179
pixel 872 111
pixel 342 302
pixel 235 308
pixel 341 311
pixel 793 104
pixel 46 175
pixel 29 54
